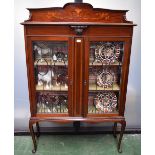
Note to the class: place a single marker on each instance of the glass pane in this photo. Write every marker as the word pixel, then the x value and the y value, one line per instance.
pixel 51 76
pixel 105 64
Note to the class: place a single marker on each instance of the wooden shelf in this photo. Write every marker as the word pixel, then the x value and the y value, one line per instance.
pixel 94 87
pixel 51 63
pixel 102 64
pixel 53 88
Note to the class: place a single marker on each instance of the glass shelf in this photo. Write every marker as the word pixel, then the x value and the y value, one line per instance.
pixel 50 62
pixel 94 87
pixel 93 110
pixel 52 88
pixel 116 63
pixel 43 108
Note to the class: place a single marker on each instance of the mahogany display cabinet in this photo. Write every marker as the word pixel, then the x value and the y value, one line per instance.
pixel 77 65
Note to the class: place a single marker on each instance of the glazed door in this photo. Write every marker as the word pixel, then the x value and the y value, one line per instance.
pixel 50 75
pixel 106 61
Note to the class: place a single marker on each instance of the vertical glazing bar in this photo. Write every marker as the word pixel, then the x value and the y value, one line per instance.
pixel 96 77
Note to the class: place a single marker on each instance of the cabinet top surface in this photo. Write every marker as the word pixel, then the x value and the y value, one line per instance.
pixel 75 14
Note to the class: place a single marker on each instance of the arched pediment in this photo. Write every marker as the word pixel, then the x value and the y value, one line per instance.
pixel 77 12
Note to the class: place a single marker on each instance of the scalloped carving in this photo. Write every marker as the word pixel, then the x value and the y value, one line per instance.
pixel 78 12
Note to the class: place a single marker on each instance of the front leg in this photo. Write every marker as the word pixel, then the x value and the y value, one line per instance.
pixel 114 129
pixel 33 136
pixel 123 125
pixel 38 129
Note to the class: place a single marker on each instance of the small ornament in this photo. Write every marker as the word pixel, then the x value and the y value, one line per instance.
pixel 35 47
pixel 54 58
pixel 66 86
pixel 39 52
pixel 60 56
pixel 66 58
pixel 45 78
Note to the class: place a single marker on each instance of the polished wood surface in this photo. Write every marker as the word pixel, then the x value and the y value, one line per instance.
pixel 92 31
pixel 78 62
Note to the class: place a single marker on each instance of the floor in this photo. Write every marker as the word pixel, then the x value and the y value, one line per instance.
pixel 99 144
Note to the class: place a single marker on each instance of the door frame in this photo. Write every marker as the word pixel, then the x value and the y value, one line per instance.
pixel 31 73
pixel 124 74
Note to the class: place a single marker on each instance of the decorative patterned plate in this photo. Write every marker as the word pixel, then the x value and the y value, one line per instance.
pixel 106 78
pixel 105 102
pixel 107 53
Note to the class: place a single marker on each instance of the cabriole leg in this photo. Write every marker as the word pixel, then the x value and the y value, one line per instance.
pixel 38 129
pixel 114 129
pixel 123 125
pixel 33 136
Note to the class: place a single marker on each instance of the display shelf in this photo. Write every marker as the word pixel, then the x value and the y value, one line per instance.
pixel 50 62
pixel 93 110
pixel 117 63
pixel 43 108
pixel 53 88
pixel 94 87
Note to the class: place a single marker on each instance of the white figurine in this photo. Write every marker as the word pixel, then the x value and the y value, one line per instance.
pixel 35 47
pixel 45 78
pixel 54 57
pixel 41 51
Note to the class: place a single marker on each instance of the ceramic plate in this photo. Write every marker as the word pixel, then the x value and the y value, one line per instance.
pixel 105 102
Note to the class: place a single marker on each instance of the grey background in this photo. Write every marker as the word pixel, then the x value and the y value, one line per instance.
pixel 21 103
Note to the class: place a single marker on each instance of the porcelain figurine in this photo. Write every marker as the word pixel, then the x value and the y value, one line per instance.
pixel 54 58
pixel 45 78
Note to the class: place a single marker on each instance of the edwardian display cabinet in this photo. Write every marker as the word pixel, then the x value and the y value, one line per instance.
pixel 77 65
